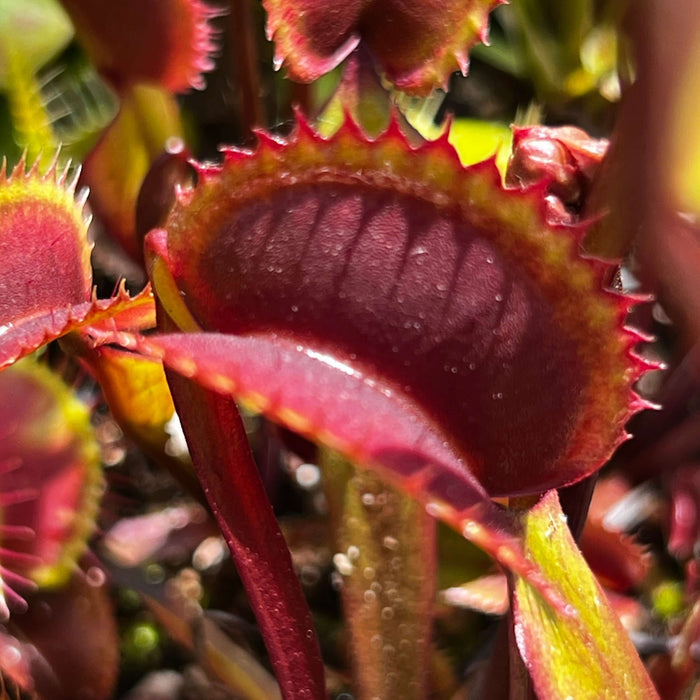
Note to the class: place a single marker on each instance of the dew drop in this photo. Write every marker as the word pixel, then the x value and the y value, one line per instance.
pixel 10 655
pixel 390 543
pixel 353 552
pixel 391 678
pixel 368 499
pixel 369 596
pixel 376 641
pixel 343 564
pixel 369 573
pixel 489 260
pixel 307 476
pixel 499 297
pixel 95 577
pixel 435 510
pixel 295 308
pixel 309 575
pixel 470 529
pixel 155 573
pixel 506 555
pixel 387 613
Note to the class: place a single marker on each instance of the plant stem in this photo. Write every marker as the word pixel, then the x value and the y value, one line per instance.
pixel 247 72
pixel 386 545
pixel 224 465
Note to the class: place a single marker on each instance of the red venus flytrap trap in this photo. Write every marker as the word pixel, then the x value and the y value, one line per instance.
pixel 51 482
pixel 48 289
pixel 326 356
pixel 411 316
pixel 122 48
pixel 415 44
pixel 398 308
pixel 317 247
pixel 46 295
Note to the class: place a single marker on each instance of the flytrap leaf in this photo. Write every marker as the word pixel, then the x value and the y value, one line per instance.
pixel 401 278
pixel 46 282
pixel 587 656
pixel 137 394
pixel 409 313
pixel 416 44
pixel 166 43
pixel 37 30
pixel 43 244
pixel 51 479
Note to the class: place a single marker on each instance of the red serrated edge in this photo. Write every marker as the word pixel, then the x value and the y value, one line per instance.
pixel 204 46
pixel 94 319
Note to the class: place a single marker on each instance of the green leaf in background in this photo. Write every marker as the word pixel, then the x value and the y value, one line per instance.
pixel 36 29
pixel 31 33
pixel 476 140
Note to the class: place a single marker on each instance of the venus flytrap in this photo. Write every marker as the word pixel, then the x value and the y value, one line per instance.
pixel 424 324
pixel 398 308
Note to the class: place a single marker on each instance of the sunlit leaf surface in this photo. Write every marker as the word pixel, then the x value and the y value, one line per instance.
pixel 587 655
